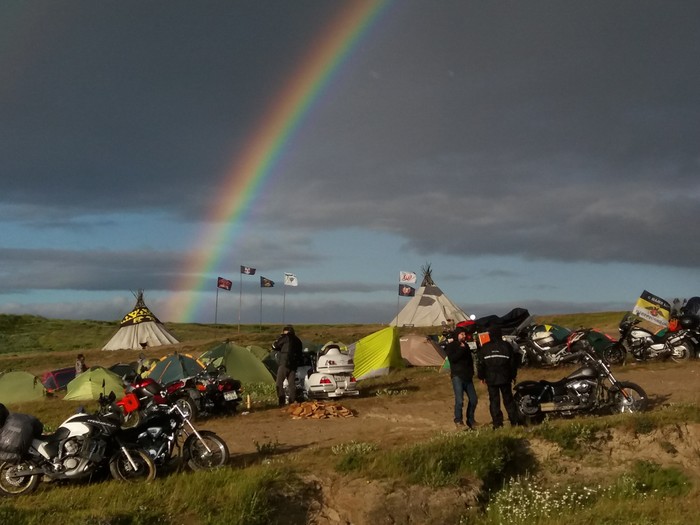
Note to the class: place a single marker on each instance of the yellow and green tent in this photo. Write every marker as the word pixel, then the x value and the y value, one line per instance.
pixel 240 362
pixel 18 386
pixel 94 381
pixel 377 354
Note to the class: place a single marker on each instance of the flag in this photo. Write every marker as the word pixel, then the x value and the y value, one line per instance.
pixel 406 291
pixel 407 277
pixel 247 270
pixel 290 279
pixel 225 284
pixel 266 283
pixel 652 308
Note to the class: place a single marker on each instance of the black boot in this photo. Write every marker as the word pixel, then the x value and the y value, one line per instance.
pixel 281 400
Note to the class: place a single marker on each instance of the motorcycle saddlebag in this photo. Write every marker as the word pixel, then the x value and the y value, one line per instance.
pixel 16 436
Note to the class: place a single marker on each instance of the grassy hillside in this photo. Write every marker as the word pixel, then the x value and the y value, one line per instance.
pixel 37 344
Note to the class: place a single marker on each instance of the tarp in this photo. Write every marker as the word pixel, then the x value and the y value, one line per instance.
pixel 19 386
pixel 94 381
pixel 420 350
pixel 376 354
pixel 174 366
pixel 240 362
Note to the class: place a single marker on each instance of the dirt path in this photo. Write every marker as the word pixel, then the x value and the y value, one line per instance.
pixel 413 406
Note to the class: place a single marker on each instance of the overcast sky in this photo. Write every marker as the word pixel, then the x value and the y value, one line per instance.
pixel 539 154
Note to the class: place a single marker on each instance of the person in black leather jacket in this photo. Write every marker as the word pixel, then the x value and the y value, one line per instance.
pixel 462 374
pixel 497 366
pixel 289 351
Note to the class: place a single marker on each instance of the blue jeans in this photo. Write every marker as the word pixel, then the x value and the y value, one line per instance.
pixel 460 387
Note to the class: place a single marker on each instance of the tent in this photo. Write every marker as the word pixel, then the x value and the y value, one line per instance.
pixel 420 350
pixel 18 387
pixel 94 381
pixel 241 363
pixel 376 354
pixel 429 307
pixel 174 366
pixel 140 329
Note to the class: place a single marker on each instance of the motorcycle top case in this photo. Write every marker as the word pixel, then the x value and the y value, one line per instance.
pixel 16 435
pixel 689 322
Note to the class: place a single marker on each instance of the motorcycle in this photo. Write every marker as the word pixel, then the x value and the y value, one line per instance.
pixel 168 435
pixel 82 446
pixel 209 391
pixel 552 348
pixel 644 345
pixel 687 328
pixel 591 388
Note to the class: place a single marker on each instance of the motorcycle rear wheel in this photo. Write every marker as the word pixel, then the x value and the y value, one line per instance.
pixel 528 409
pixel 681 352
pixel 614 354
pixel 188 407
pixel 197 455
pixel 121 468
pixel 16 486
pixel 630 398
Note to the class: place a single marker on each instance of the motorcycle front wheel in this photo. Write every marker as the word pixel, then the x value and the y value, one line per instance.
pixel 121 468
pixel 14 486
pixel 629 398
pixel 197 455
pixel 681 352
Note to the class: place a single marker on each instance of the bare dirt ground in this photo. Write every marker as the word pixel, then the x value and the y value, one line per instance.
pixel 412 406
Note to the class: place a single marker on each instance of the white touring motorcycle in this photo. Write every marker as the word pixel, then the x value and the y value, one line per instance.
pixel 331 375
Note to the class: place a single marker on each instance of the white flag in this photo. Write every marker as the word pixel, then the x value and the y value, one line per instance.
pixel 407 277
pixel 290 279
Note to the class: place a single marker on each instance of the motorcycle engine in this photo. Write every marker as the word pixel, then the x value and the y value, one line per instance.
pixel 581 391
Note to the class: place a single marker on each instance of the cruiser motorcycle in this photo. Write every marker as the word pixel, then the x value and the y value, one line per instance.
pixel 644 345
pixel 84 445
pixel 545 348
pixel 167 434
pixel 591 388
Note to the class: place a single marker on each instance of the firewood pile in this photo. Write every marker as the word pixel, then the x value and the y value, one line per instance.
pixel 317 410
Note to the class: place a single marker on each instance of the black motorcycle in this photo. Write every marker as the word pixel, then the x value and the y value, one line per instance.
pixel 591 388
pixel 84 445
pixel 167 435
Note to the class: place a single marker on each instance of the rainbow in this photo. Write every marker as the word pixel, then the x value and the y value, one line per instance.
pixel 277 126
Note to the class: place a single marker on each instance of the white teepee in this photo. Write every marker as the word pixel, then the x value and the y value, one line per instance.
pixel 429 307
pixel 140 329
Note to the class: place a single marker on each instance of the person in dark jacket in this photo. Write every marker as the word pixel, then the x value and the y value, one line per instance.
pixel 289 356
pixel 497 366
pixel 462 375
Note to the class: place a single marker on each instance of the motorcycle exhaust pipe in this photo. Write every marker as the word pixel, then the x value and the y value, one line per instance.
pixel 547 407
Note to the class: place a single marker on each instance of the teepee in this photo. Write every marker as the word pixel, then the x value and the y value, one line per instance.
pixel 430 306
pixel 140 329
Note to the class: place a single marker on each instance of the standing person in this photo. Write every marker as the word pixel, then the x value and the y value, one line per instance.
pixel 80 365
pixel 462 375
pixel 289 356
pixel 497 366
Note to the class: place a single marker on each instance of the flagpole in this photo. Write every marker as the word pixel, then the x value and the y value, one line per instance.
pixel 284 300
pixel 216 307
pixel 397 309
pixel 240 299
pixel 261 308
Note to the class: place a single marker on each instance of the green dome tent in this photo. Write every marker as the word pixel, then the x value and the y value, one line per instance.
pixel 93 382
pixel 376 354
pixel 18 387
pixel 240 363
pixel 174 366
